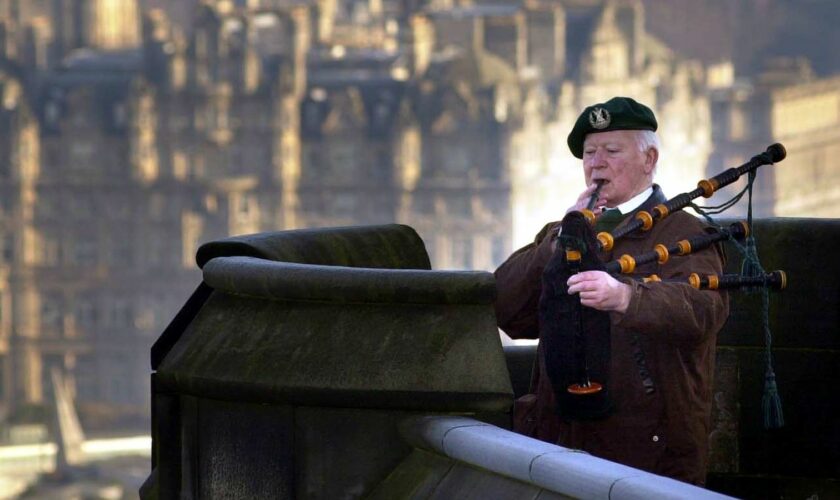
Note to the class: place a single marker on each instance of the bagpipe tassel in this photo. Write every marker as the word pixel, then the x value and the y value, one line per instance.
pixel 751 266
pixel 771 403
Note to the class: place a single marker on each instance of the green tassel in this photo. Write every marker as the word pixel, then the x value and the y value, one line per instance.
pixel 771 403
pixel 750 266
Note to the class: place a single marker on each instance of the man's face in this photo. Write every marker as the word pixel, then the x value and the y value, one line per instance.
pixel 614 157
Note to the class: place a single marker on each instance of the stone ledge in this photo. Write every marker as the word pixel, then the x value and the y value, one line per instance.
pixel 549 467
pixel 290 281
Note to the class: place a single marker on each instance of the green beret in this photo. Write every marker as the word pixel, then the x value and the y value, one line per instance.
pixel 619 113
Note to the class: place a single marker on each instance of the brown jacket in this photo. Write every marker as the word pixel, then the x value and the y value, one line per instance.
pixel 676 326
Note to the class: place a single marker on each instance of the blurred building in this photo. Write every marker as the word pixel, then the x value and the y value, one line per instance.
pixel 805 117
pixel 786 102
pixel 127 139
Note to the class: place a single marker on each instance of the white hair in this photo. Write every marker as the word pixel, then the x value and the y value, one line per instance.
pixel 646 139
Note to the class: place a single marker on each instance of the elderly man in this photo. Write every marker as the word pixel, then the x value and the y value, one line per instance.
pixel 662 334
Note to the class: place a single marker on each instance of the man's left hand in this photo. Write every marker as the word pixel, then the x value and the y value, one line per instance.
pixel 601 291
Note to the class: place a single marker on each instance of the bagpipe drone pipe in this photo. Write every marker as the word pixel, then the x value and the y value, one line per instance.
pixel 576 339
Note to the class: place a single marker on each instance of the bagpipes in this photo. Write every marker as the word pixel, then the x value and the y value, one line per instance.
pixel 576 339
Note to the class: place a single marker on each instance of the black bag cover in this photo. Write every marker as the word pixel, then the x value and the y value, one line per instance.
pixel 576 339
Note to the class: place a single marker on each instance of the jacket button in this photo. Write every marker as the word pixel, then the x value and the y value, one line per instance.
pixel 655 439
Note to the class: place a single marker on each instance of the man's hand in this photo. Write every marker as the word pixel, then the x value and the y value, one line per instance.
pixel 583 200
pixel 601 291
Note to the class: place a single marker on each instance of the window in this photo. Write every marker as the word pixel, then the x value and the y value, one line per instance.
pixel 145 318
pixel 459 205
pixel 180 165
pixel 738 124
pixel 313 164
pixel 121 316
pixel 52 113
pixel 86 313
pixel 81 152
pixel 82 207
pixel 457 159
pixel 50 250
pixel 86 378
pixel 344 204
pixel 7 249
pixel 424 205
pixel 6 202
pixel 462 252
pixel 499 250
pixel 85 251
pixel 343 161
pixel 120 114
pixel 50 312
pixel 246 207
pixel 120 250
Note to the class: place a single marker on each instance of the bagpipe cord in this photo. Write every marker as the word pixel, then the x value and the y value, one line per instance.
pixel 771 402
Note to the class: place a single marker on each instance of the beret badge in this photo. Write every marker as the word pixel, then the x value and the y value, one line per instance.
pixel 599 118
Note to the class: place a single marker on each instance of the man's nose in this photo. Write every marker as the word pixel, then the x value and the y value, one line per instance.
pixel 597 159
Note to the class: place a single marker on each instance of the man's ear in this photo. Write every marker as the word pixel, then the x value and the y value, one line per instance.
pixel 651 158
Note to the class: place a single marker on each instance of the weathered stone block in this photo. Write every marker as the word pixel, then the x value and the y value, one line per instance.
pixel 724 446
pixel 805 314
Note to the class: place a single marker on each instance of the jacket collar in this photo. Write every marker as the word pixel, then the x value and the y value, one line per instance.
pixel 656 198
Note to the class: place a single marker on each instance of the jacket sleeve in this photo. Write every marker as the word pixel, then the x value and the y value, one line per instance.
pixel 518 285
pixel 676 311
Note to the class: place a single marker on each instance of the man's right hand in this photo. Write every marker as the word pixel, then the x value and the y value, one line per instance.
pixel 583 201
pixel 601 291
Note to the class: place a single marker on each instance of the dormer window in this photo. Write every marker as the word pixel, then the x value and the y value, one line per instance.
pixel 52 113
pixel 120 114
